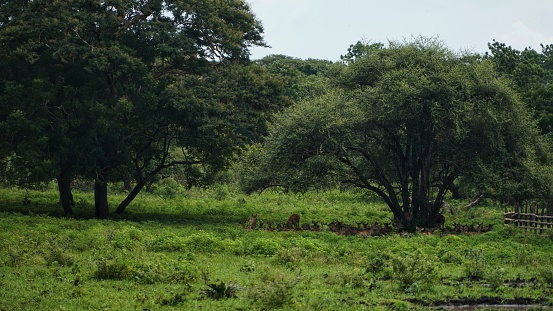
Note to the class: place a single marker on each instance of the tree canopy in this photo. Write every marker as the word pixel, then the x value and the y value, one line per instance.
pixel 105 89
pixel 532 75
pixel 405 122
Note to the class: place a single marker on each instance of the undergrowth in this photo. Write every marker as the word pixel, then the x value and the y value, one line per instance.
pixel 187 250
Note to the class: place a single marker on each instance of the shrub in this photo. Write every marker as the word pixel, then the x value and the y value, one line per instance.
pixel 221 290
pixel 60 256
pixel 203 241
pixel 169 244
pixel 263 247
pixel 274 290
pixel 496 279
pixel 451 257
pixel 289 257
pixel 16 256
pixel 232 246
pixel 167 188
pixel 249 266
pixel 127 238
pixel 414 272
pixel 112 269
pixel 545 274
pixel 165 270
pixel 150 270
pixel 378 264
pixel 475 264
pixel 220 192
pixel 350 278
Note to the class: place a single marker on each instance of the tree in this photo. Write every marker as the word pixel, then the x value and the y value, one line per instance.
pixel 532 76
pixel 305 78
pixel 213 116
pixel 85 83
pixel 405 122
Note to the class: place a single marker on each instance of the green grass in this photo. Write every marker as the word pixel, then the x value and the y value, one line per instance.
pixel 185 250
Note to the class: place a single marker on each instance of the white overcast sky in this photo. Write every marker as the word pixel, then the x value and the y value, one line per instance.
pixel 324 29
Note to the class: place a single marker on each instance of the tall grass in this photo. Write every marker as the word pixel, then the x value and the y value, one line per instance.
pixel 187 250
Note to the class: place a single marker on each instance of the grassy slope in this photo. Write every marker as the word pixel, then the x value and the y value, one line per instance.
pixel 164 252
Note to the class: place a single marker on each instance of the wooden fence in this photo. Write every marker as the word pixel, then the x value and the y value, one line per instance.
pixel 530 218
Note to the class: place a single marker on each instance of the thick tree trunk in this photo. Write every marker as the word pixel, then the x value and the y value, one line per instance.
pixel 101 198
pixel 66 197
pixel 134 192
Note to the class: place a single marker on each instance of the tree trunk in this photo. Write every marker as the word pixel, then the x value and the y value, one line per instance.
pixel 66 197
pixel 101 198
pixel 134 192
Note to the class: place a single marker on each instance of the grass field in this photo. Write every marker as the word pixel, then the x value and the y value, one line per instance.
pixel 185 250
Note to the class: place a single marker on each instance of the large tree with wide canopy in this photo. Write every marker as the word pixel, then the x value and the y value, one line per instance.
pixel 405 122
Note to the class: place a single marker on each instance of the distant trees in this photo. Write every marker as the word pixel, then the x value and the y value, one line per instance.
pixel 106 90
pixel 405 122
pixel 532 75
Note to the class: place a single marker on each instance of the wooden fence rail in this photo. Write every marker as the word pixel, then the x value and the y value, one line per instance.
pixel 530 221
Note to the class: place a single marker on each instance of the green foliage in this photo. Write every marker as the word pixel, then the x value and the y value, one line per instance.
pixel 263 247
pixel 415 272
pixel 193 254
pixel 273 290
pixel 531 73
pixel 133 89
pixel 290 257
pixel 167 187
pixel 496 279
pixel 378 264
pixel 360 131
pixel 174 299
pixel 304 78
pixel 222 290
pixel 113 268
pixel 476 264
pixel 160 269
pixel 546 276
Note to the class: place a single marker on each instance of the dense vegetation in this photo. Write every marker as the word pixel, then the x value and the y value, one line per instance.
pixel 185 249
pixel 407 122
pixel 101 96
pixel 122 90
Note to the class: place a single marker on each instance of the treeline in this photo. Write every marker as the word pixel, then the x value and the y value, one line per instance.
pixel 134 91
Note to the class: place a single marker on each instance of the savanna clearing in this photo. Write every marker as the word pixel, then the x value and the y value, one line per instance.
pixel 186 250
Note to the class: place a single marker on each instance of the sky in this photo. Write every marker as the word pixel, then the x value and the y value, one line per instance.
pixel 324 29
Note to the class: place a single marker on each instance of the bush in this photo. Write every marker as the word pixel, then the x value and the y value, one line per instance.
pixel 115 268
pixel 451 257
pixel 148 270
pixel 274 290
pixel 378 264
pixel 414 272
pixel 167 188
pixel 169 244
pixel 289 257
pixel 545 274
pixel 351 278
pixel 164 270
pixel 203 241
pixel 60 256
pixel 222 290
pixel 496 279
pixel 263 247
pixel 476 264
